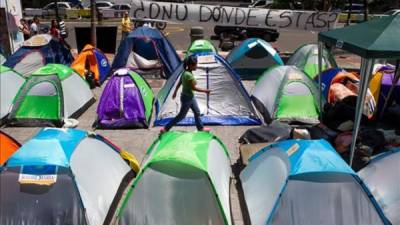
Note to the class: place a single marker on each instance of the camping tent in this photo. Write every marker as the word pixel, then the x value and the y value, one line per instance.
pixel 147 48
pixel 382 177
pixel 381 84
pixel 305 182
pixel 8 146
pixel 285 93
pixel 371 40
pixel 306 59
pixel 252 57
pixel 36 52
pixel 49 95
pixel 97 63
pixel 185 179
pixel 199 46
pixel 63 176
pixel 228 104
pixel 126 101
pixel 10 83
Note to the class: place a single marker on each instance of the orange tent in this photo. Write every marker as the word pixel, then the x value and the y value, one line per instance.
pixel 8 146
pixel 92 59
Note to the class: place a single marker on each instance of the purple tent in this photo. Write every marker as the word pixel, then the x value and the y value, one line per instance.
pixel 126 102
pixel 386 84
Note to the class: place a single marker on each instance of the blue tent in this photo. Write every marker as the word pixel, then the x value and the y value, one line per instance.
pixel 68 175
pixel 306 182
pixel 252 57
pixel 147 48
pixel 229 103
pixel 36 52
pixel 382 176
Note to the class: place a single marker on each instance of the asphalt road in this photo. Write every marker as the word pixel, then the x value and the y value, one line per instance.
pixel 178 34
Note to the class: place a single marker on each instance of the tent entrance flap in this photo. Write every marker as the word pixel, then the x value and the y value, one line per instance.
pixel 42 101
pixel 149 205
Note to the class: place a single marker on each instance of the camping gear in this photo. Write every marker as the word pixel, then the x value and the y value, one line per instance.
pixel 252 57
pixel 276 131
pixel 382 177
pixel 199 46
pixel 306 59
pixel 146 49
pixel 38 51
pixel 285 93
pixel 126 102
pixel 48 96
pixel 380 85
pixel 64 176
pixel 345 84
pixel 98 63
pixel 8 146
pixel 185 179
pixel 378 41
pixel 10 83
pixel 228 103
pixel 305 182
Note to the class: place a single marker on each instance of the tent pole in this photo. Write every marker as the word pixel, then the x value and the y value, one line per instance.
pixel 396 77
pixel 320 52
pixel 365 74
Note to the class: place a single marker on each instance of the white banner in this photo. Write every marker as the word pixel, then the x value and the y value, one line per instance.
pixel 234 16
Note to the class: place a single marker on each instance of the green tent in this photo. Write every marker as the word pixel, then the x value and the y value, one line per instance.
pixel 50 95
pixel 185 179
pixel 374 39
pixel 306 59
pixel 285 93
pixel 201 46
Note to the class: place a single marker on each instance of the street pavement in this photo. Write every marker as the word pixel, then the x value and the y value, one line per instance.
pixel 178 34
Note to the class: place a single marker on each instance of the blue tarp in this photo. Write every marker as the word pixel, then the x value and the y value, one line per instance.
pixel 151 44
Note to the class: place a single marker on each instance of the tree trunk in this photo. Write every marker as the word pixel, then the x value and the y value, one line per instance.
pixel 349 12
pixel 93 22
pixel 365 10
pixel 57 15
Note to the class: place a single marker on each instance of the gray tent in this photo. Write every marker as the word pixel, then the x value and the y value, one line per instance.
pixel 382 177
pixel 285 93
pixel 10 83
pixel 228 104
pixel 305 182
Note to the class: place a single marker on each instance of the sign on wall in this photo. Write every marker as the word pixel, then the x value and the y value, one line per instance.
pixel 234 16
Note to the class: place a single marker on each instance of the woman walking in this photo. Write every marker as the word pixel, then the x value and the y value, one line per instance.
pixel 188 101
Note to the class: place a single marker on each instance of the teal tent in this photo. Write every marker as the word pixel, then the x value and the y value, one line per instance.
pixel 252 57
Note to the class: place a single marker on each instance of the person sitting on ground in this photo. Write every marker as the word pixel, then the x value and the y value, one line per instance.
pixel 188 101
pixel 89 75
